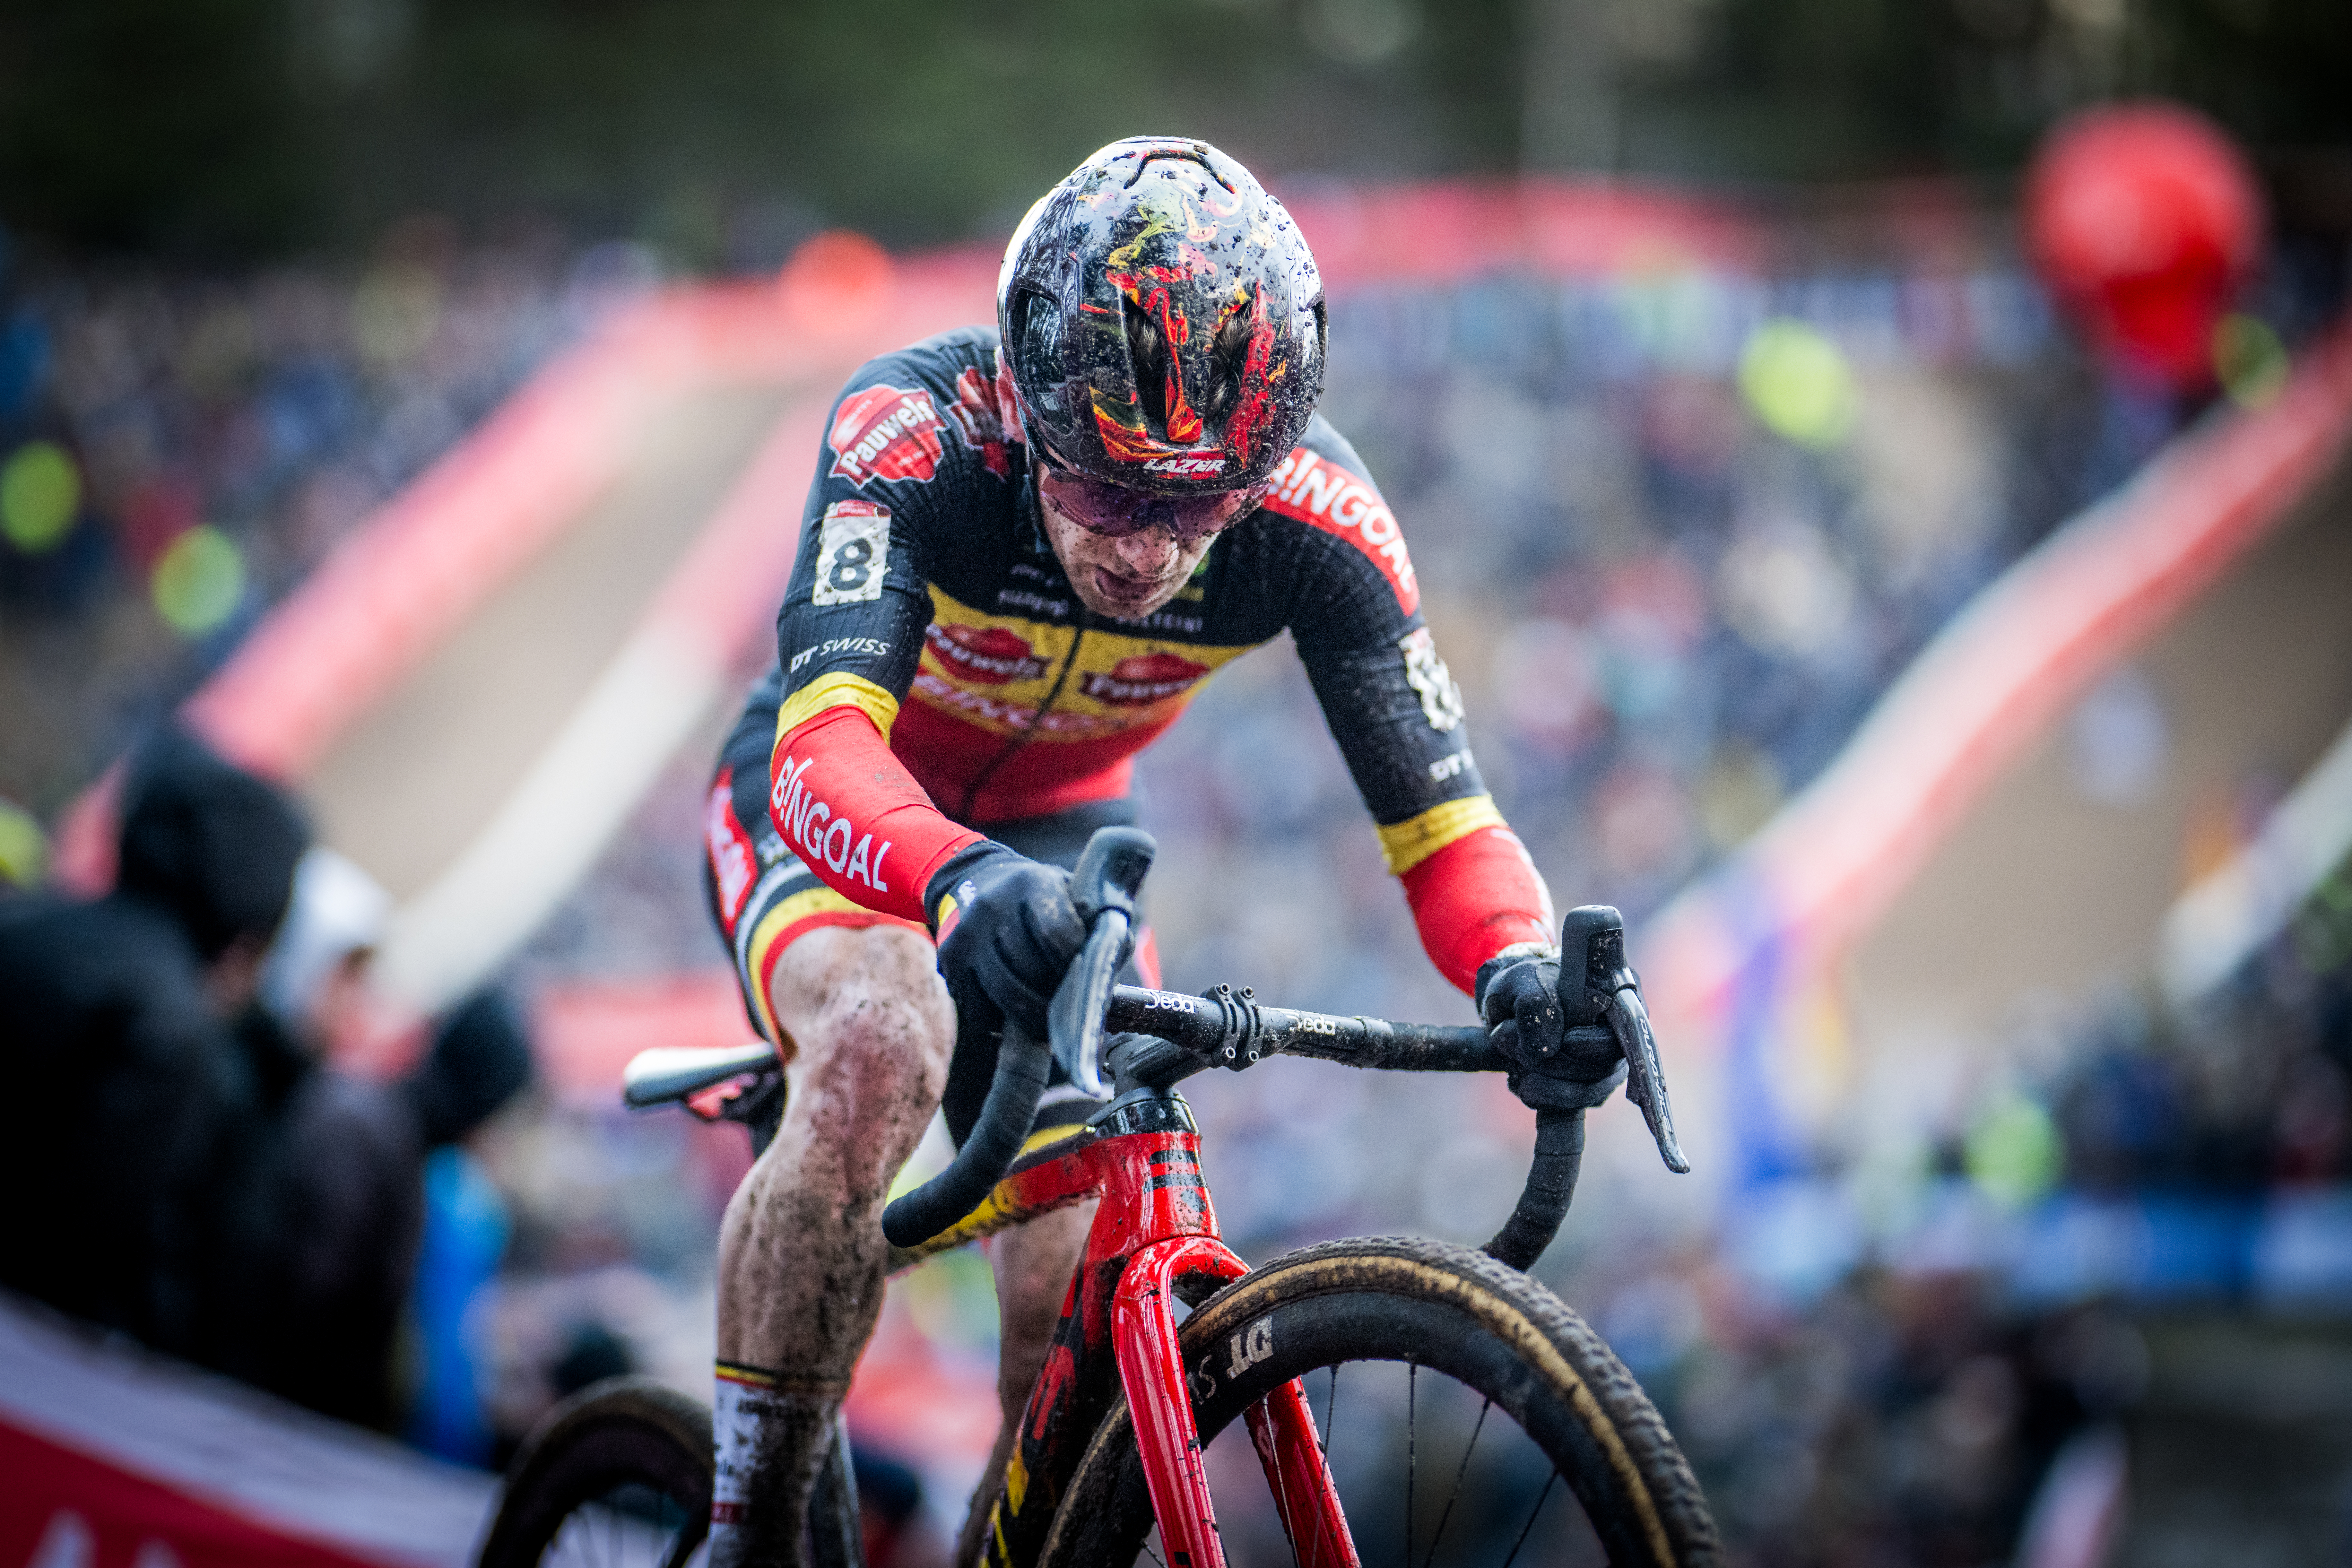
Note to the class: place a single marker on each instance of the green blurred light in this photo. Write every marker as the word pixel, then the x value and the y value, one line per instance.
pixel 952 1301
pixel 1798 383
pixel 24 847
pixel 199 581
pixel 2014 1154
pixel 40 495
pixel 2249 360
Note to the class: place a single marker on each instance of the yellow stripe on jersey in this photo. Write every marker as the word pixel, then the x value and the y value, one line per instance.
pixel 1407 844
pixel 838 689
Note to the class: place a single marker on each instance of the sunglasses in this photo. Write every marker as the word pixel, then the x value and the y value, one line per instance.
pixel 1115 511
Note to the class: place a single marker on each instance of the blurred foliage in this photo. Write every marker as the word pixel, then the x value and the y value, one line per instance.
pixel 724 129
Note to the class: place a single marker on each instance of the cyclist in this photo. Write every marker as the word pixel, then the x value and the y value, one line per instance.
pixel 1024 550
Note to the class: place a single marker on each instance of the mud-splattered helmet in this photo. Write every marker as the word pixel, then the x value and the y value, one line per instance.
pixel 1163 320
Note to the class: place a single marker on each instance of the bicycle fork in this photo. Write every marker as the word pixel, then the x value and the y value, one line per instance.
pixel 1281 1428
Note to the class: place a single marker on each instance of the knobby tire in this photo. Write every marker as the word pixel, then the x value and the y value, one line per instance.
pixel 1432 1307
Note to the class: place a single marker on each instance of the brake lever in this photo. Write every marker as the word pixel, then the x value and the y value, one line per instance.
pixel 1645 1076
pixel 1074 1020
pixel 1103 887
pixel 1597 985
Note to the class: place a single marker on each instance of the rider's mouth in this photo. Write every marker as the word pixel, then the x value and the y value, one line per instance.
pixel 1125 590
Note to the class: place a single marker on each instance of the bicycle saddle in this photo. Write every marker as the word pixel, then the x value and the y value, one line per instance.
pixel 673 1073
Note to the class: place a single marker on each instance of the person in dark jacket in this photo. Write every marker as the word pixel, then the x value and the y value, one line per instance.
pixel 330 1205
pixel 183 1167
pixel 124 1081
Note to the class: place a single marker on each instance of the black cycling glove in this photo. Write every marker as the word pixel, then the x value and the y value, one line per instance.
pixel 1517 994
pixel 1009 936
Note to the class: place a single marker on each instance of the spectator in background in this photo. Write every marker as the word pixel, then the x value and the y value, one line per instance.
pixel 330 1209
pixel 125 1082
pixel 205 1182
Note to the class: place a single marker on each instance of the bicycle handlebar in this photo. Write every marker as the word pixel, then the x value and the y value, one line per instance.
pixel 1180 1035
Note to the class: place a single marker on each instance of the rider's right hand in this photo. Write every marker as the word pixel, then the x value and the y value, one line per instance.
pixel 1008 931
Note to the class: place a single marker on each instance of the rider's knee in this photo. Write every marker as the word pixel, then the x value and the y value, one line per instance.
pixel 867 1006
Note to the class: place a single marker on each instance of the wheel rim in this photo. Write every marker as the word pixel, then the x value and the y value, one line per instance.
pixel 629 1526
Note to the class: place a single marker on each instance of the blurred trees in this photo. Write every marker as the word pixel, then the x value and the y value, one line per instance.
pixel 723 130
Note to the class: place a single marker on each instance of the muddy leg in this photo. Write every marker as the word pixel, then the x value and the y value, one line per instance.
pixel 801 1254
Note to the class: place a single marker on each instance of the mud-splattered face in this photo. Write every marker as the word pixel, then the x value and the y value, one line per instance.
pixel 1125 578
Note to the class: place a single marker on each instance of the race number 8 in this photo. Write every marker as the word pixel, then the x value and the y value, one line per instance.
pixel 853 548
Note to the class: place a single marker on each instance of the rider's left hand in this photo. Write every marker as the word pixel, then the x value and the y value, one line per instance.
pixel 1518 995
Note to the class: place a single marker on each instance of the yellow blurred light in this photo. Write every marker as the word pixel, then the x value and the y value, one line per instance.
pixel 1798 383
pixel 24 847
pixel 2013 1152
pixel 40 495
pixel 2249 360
pixel 199 581
pixel 952 1301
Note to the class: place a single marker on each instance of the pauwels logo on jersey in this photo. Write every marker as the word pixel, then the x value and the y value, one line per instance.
pixel 1319 491
pixel 885 433
pixel 979 413
pixel 1146 678
pixel 988 655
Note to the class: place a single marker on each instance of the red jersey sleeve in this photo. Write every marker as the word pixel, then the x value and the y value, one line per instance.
pixel 850 809
pixel 1474 896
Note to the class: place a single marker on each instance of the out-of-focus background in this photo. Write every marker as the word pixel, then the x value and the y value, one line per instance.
pixel 1893 538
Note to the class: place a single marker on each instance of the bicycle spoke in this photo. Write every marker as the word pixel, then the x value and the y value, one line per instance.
pixel 1461 1470
pixel 1412 1445
pixel 1329 1400
pixel 1541 1497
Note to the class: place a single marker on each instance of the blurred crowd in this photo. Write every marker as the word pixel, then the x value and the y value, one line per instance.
pixel 1676 530
pixel 176 450
pixel 195 1168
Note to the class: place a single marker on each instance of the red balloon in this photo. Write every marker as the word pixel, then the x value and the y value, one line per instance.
pixel 2144 220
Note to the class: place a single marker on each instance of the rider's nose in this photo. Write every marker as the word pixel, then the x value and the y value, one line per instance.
pixel 1149 553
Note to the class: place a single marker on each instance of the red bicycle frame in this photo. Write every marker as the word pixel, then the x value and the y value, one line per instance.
pixel 1154 1239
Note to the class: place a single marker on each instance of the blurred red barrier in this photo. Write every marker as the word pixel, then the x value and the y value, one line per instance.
pixel 116 1457
pixel 1994 680
pixel 1442 233
pixel 585 1034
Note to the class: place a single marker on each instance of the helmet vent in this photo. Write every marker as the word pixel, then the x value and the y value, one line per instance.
pixel 1229 357
pixel 1155 368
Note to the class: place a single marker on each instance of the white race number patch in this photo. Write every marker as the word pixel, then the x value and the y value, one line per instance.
pixel 853 547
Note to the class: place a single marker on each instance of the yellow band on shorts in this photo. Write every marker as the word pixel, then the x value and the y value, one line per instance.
pixel 778 926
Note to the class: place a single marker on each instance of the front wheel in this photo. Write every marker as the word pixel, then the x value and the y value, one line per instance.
pixel 1468 1416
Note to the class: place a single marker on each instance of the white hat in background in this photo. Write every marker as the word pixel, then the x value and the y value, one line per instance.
pixel 337 910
